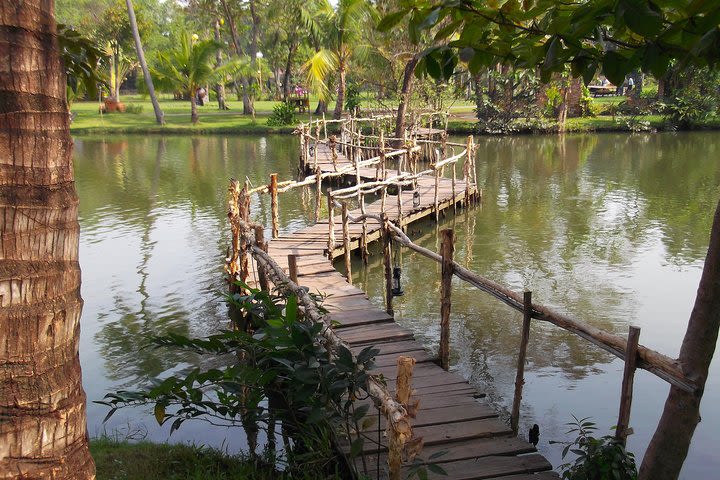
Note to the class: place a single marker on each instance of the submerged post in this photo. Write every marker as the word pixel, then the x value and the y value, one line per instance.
pixel 244 213
pixel 273 187
pixel 621 432
pixel 260 240
pixel 346 242
pixel 387 263
pixel 447 249
pixel 520 375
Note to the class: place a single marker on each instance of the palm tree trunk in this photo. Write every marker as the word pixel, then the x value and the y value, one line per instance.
pixel 43 431
pixel 116 65
pixel 405 93
pixel 248 107
pixel 288 66
pixel 193 108
pixel 220 86
pixel 341 91
pixel 159 117
pixel 670 443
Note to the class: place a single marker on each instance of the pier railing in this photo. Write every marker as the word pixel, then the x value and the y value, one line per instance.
pixel 248 242
pixel 628 349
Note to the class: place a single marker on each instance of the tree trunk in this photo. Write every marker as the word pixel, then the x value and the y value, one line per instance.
pixel 116 65
pixel 253 52
pixel 341 91
pixel 193 108
pixel 321 107
pixel 405 93
pixel 245 85
pixel 669 446
pixel 159 117
pixel 288 66
pixel 220 86
pixel 43 433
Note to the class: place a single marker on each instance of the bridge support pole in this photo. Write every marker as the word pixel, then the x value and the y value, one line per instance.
pixel 346 243
pixel 626 394
pixel 273 187
pixel 387 262
pixel 520 375
pixel 447 250
pixel 262 275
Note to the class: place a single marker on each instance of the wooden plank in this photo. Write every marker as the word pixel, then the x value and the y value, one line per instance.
pixel 493 466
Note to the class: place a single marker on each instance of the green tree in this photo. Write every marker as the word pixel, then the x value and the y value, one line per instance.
pixel 189 66
pixel 344 28
pixel 617 37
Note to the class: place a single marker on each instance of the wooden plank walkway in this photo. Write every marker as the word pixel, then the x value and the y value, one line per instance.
pixel 453 416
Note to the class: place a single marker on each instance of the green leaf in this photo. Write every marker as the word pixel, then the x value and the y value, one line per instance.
pixel 640 18
pixel 433 67
pixel 437 469
pixel 159 413
pixel 291 309
pixel 616 67
pixel 389 21
pixel 356 446
pixel 360 412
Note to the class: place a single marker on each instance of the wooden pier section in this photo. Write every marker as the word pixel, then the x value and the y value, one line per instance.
pixel 453 416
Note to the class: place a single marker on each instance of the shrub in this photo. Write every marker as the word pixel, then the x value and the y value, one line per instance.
pixel 554 99
pixel 133 108
pixel 352 97
pixel 602 458
pixel 690 108
pixel 283 114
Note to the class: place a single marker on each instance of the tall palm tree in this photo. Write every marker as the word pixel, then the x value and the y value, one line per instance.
pixel 43 432
pixel 344 28
pixel 159 117
pixel 190 66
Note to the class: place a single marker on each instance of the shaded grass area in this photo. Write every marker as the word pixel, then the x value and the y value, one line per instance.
pixel 120 460
pixel 87 120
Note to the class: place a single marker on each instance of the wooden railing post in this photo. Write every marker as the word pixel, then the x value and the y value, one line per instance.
pixel 233 265
pixel 522 355
pixel 293 268
pixel 317 143
pixel 447 249
pixel 324 126
pixel 273 188
pixel 331 224
pixel 346 242
pixel 244 213
pixel 436 200
pixel 262 274
pixel 318 192
pixel 626 393
pixel 387 263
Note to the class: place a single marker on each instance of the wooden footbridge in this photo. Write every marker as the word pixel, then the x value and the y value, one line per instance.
pixel 452 416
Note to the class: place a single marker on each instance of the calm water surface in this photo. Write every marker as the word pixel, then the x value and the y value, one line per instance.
pixel 612 229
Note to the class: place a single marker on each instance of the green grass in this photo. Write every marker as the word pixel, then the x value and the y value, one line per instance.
pixel 120 460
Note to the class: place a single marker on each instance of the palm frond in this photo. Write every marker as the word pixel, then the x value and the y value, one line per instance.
pixel 317 70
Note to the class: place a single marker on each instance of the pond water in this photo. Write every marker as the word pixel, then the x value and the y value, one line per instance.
pixel 612 229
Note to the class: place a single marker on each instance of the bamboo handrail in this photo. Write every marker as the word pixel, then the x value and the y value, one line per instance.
pixel 654 362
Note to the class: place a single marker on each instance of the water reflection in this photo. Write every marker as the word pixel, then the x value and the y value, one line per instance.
pixel 612 229
pixel 609 228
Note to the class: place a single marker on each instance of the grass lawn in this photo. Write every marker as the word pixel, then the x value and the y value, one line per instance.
pixel 117 460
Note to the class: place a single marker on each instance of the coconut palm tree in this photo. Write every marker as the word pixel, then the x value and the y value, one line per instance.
pixel 43 431
pixel 159 117
pixel 190 66
pixel 343 34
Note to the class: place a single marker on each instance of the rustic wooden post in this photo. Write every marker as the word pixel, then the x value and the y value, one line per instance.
pixel 520 375
pixel 274 204
pixel 244 213
pixel 260 240
pixel 454 180
pixel 318 192
pixel 447 248
pixel 317 143
pixel 399 435
pixel 325 126
pixel 621 432
pixel 233 265
pixel 437 194
pixel 331 224
pixel 387 263
pixel 346 242
pixel 399 204
pixel 293 268
pixel 363 244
